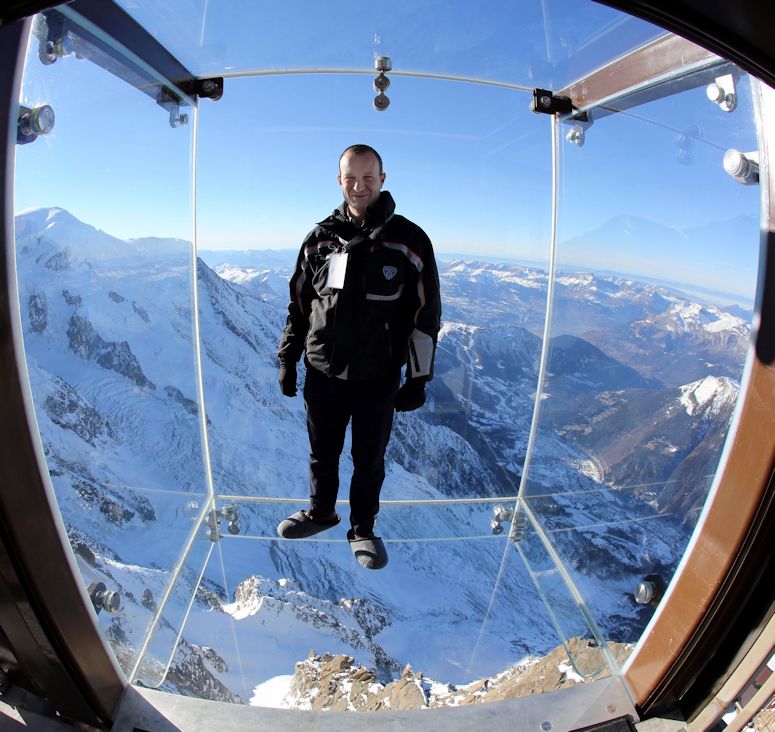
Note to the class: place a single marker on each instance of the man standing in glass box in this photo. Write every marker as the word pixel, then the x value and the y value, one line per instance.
pixel 364 302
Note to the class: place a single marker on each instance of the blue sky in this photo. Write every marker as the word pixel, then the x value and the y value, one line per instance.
pixel 469 163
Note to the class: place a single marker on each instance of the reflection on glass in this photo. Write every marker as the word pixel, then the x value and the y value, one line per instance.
pixel 546 43
pixel 107 317
pixel 656 259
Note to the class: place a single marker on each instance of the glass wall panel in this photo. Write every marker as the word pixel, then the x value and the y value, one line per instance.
pixel 105 271
pixel 656 270
pixel 466 162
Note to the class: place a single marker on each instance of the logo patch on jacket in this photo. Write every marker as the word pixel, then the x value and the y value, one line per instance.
pixel 390 272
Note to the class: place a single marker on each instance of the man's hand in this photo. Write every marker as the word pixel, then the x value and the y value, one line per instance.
pixel 287 379
pixel 411 395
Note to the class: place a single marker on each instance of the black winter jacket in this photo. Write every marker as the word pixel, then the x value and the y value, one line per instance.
pixel 388 309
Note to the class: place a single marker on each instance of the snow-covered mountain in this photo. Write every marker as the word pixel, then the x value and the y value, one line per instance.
pixel 112 359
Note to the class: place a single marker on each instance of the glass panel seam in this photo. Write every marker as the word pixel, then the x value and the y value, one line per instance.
pixel 547 319
pixel 391 502
pixel 576 595
pixel 371 72
pixel 206 509
pixel 547 605
pixel 184 619
pixel 195 295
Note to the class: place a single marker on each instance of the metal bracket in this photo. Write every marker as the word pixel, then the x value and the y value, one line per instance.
pixel 211 88
pixel 34 122
pixel 743 167
pixel 546 102
pixel 382 64
pixel 518 526
pixel 172 103
pixel 213 522
pixel 722 92
pixel 102 598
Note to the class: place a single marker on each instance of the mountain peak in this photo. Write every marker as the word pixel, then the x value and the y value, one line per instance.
pixel 709 394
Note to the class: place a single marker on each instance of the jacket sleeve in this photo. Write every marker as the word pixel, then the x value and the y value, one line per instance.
pixel 297 324
pixel 427 318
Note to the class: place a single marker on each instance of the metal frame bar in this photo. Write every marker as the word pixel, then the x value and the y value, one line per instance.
pixel 728 694
pixel 740 31
pixel 641 75
pixel 251 73
pixel 149 58
pixel 697 625
pixel 45 610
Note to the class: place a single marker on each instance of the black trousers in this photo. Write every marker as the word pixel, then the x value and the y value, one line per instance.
pixel 331 403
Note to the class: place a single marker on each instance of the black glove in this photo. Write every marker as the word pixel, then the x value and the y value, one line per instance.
pixel 287 379
pixel 411 395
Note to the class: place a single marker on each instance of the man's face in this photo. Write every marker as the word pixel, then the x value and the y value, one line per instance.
pixel 361 182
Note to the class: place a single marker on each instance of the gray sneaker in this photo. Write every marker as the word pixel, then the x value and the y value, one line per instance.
pixel 368 550
pixel 301 525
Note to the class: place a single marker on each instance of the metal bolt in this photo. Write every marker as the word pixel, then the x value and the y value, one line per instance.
pixel 546 726
pixel 102 598
pixel 63 47
pixel 381 83
pixel 715 93
pixel 545 101
pixel 381 102
pixel 644 592
pixel 383 63
pixel 576 135
pixel 743 167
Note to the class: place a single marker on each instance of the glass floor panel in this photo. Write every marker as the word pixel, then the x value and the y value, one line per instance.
pixel 456 607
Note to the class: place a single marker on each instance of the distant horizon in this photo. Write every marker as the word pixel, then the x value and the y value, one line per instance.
pixel 713 297
pixel 709 295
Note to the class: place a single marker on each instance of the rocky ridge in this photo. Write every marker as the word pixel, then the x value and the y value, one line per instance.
pixel 338 683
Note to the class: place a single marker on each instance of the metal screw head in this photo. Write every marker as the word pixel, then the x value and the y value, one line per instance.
pixel 381 102
pixel 715 92
pixel 64 46
pixel 575 135
pixel 734 162
pixel 545 102
pixel 382 63
pixel 381 83
pixel 644 592
pixel 546 726
pixel 111 601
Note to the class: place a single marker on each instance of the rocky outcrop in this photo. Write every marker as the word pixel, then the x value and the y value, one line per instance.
pixel 141 312
pixel 191 674
pixel 338 683
pixel 177 395
pixel 67 409
pixel 113 355
pixel 38 312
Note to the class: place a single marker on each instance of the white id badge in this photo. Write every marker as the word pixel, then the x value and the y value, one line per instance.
pixel 337 266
